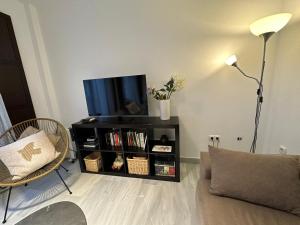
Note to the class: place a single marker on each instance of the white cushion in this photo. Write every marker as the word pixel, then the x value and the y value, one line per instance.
pixel 32 130
pixel 27 155
pixel 28 131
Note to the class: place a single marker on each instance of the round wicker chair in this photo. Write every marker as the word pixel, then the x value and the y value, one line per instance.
pixel 11 135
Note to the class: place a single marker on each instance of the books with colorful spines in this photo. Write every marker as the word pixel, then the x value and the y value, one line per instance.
pixel 131 139
pixel 116 137
pixel 144 141
pixel 112 143
pixel 137 138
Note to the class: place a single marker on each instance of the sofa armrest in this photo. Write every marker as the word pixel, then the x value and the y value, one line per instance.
pixel 205 165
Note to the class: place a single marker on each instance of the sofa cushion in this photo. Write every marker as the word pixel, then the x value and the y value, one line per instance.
pixel 270 180
pixel 27 155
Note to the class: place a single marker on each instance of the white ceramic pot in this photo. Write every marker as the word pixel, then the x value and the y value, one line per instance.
pixel 164 109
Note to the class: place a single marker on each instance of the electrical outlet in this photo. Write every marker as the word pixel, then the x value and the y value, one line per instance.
pixel 214 137
pixel 282 150
pixel 239 138
pixel 211 137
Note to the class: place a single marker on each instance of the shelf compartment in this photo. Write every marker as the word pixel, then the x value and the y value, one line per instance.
pixel 163 166
pixel 152 143
pixel 83 154
pixel 110 139
pixel 83 133
pixel 137 164
pixel 108 159
pixel 134 140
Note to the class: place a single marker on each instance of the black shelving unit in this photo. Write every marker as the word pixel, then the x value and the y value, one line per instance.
pixel 149 125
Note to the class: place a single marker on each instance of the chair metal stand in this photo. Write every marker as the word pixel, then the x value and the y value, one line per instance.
pixel 7 203
pixel 64 168
pixel 63 181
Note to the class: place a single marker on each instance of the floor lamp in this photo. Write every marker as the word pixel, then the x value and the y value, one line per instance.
pixel 264 28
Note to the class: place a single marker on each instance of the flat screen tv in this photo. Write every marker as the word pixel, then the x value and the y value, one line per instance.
pixel 117 96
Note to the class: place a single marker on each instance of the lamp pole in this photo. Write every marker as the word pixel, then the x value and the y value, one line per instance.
pixel 259 92
pixel 265 28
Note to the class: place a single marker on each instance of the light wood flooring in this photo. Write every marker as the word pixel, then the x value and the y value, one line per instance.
pixel 109 200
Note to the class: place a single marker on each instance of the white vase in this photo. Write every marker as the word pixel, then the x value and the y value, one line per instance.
pixel 164 109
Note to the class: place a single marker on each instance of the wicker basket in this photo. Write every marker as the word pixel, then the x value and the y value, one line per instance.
pixel 93 162
pixel 138 165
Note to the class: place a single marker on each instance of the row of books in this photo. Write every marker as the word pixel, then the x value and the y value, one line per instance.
pixel 113 139
pixel 136 139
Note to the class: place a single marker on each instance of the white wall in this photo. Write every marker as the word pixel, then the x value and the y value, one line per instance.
pixel 284 121
pixel 25 43
pixel 91 39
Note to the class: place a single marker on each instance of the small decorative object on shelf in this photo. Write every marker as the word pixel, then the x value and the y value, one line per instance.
pixel 164 95
pixel 161 148
pixel 164 139
pixel 118 163
pixel 164 168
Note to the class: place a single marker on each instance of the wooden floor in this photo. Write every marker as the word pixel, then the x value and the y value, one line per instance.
pixel 108 200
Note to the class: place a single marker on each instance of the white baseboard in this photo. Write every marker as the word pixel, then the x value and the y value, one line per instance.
pixel 189 160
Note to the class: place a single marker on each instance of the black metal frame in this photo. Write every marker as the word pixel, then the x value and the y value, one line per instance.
pixel 7 203
pixel 10 189
pixel 63 181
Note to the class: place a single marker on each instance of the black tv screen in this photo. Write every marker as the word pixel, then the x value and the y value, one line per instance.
pixel 117 96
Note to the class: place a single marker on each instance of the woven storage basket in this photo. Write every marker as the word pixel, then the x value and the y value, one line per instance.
pixel 93 162
pixel 138 165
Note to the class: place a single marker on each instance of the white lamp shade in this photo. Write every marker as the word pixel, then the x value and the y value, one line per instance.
pixel 231 60
pixel 268 24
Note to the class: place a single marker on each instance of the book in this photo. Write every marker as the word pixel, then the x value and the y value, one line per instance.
pixel 91 139
pixel 136 139
pixel 161 148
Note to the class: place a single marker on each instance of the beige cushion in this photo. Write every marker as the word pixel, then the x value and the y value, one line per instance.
pixel 28 131
pixel 53 138
pixel 27 155
pixel 32 130
pixel 269 180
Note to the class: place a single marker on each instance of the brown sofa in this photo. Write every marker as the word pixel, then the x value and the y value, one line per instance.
pixel 216 210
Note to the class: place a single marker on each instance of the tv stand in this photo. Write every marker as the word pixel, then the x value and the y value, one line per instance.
pixel 152 127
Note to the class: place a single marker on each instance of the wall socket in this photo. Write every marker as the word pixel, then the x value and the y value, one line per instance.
pixel 214 137
pixel 282 150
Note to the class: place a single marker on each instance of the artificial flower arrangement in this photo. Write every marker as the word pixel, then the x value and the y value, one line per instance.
pixel 164 94
pixel 174 84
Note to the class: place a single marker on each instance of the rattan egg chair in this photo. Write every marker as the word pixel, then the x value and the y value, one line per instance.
pixel 11 135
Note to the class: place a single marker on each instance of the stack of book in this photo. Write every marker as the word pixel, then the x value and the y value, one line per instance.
pixel 113 139
pixel 91 143
pixel 164 168
pixel 136 139
pixel 161 148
